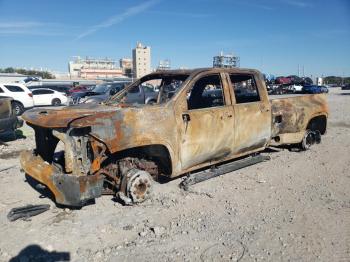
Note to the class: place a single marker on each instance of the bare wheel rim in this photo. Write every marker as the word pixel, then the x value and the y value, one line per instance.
pixel 139 186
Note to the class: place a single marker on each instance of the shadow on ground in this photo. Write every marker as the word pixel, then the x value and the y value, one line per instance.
pixel 40 188
pixel 36 253
pixel 11 136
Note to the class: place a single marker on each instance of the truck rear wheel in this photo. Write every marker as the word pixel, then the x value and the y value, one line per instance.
pixel 310 138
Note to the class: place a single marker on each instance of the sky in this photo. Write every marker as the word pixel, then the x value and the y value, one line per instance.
pixel 274 36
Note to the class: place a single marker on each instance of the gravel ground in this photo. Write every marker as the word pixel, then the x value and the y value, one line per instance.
pixel 295 207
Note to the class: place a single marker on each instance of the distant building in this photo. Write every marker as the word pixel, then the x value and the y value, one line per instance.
pixel 90 68
pixel 126 66
pixel 141 56
pixel 319 81
pixel 164 65
pixel 226 61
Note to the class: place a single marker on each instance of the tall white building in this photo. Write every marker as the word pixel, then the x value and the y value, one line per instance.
pixel 141 56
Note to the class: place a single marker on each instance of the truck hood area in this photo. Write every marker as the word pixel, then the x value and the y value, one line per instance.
pixel 60 118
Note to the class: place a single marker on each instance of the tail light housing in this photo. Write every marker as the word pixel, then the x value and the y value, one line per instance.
pixel 30 94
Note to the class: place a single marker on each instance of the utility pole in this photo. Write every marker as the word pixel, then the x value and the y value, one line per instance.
pixel 298 70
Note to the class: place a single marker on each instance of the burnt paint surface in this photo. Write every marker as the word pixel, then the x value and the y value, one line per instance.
pixel 297 111
pixel 5 107
pixel 209 137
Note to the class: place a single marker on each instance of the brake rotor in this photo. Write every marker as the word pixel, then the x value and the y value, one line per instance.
pixel 139 185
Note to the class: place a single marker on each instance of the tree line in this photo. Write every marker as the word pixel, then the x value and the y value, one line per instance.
pixel 42 74
pixel 336 80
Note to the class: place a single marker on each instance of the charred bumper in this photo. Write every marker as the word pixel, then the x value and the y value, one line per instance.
pixel 69 190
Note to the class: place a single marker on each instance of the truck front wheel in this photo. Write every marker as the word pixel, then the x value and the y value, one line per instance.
pixel 136 186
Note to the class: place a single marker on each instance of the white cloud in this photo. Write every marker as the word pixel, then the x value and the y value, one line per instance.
pixel 298 3
pixel 19 25
pixel 32 28
pixel 131 11
pixel 182 14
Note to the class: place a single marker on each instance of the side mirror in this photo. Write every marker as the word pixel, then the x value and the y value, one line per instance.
pixel 112 92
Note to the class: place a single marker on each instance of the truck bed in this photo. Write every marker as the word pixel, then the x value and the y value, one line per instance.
pixel 291 113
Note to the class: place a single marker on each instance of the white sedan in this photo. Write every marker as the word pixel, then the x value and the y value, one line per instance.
pixel 45 97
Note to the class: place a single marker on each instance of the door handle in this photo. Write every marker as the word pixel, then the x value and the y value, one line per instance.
pixel 228 114
pixel 186 118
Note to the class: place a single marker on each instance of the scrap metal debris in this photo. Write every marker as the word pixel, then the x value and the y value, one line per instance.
pixel 26 212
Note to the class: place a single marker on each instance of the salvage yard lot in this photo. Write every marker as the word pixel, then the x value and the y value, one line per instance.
pixel 294 207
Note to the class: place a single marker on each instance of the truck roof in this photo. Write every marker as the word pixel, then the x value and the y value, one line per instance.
pixel 208 69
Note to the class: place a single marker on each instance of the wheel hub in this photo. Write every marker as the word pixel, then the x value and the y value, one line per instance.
pixel 139 185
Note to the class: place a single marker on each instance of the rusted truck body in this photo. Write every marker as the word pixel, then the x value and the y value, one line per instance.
pixel 8 119
pixel 202 117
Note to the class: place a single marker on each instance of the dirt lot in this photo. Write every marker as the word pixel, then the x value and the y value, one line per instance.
pixel 295 207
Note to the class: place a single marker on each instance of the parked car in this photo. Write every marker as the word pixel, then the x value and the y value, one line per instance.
pixel 122 147
pixel 58 88
pixel 76 89
pixel 280 90
pixel 324 89
pixel 8 119
pixel 334 85
pixel 98 93
pixel 31 79
pixel 22 96
pixel 295 88
pixel 306 81
pixel 141 94
pixel 295 80
pixel 283 80
pixel 314 89
pixel 345 87
pixel 45 97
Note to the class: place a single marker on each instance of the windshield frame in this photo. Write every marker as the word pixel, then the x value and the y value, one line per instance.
pixel 114 99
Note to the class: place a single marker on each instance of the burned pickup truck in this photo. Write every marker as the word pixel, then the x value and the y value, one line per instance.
pixel 202 118
pixel 8 119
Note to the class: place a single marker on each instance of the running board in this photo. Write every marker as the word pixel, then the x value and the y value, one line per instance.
pixel 195 178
